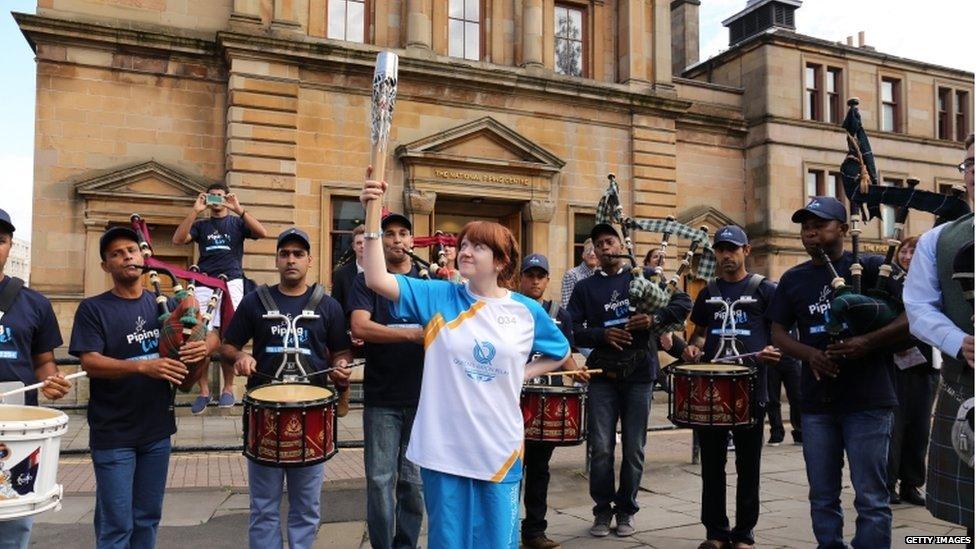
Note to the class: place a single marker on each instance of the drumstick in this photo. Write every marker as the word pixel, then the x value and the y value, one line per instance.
pixel 573 372
pixel 39 385
pixel 736 357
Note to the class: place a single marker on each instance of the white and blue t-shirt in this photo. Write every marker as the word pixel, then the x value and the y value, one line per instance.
pixel 469 422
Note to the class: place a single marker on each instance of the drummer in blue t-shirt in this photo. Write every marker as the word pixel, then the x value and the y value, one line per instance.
pixel 731 247
pixel 846 386
pixel 220 239
pixel 130 411
pixel 28 336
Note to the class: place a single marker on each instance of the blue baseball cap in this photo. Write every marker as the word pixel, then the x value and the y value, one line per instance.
pixel 5 222
pixel 294 233
pixel 824 207
pixel 118 231
pixel 535 261
pixel 731 234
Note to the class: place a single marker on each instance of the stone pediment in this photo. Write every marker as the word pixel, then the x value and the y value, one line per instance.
pixel 145 181
pixel 705 215
pixel 483 143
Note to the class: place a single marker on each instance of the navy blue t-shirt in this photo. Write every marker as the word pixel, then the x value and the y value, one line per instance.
pixel 318 338
pixel 29 328
pixel 221 244
pixel 603 301
pixel 135 409
pixel 751 325
pixel 393 370
pixel 802 297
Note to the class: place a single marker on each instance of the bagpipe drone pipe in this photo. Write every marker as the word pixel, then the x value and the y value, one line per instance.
pixel 186 322
pixel 650 295
pixel 853 308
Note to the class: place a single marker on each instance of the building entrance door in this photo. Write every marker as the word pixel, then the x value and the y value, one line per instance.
pixel 451 215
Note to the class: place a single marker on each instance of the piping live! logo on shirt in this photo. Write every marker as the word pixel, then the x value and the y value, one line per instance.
pixel 7 336
pixel 823 302
pixel 481 369
pixel 148 340
pixel 217 241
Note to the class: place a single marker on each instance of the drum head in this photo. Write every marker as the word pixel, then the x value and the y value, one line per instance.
pixel 26 413
pixel 289 392
pixel 711 368
pixel 553 389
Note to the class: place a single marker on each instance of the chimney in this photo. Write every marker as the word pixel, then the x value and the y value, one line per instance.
pixel 860 39
pixel 850 41
pixel 760 16
pixel 684 34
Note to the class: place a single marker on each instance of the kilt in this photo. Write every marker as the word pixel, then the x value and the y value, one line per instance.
pixel 949 489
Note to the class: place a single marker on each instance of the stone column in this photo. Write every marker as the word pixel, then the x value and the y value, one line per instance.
pixel 632 59
pixel 537 215
pixel 661 44
pixel 285 17
pixel 96 281
pixel 419 205
pixel 419 26
pixel 532 32
pixel 247 12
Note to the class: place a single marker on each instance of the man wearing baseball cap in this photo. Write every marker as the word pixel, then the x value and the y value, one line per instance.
pixel 394 353
pixel 732 247
pixel 846 385
pixel 533 283
pixel 319 340
pixel 130 411
pixel 624 347
pixel 29 334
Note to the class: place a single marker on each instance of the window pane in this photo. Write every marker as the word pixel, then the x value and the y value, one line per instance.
pixel 961 101
pixel 576 22
pixel 456 10
pixel 811 77
pixel 340 243
pixel 831 83
pixel 811 184
pixel 887 91
pixel 472 10
pixel 347 213
pixel 355 29
pixel 888 118
pixel 455 33
pixel 337 19
pixel 472 42
pixel 560 17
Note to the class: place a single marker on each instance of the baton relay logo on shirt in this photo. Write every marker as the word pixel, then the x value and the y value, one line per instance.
pixel 147 339
pixel 217 241
pixel 7 336
pixel 481 369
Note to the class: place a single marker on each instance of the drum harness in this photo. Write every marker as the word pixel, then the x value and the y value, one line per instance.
pixel 292 368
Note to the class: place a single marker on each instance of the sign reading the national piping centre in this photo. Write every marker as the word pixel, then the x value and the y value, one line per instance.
pixel 483 177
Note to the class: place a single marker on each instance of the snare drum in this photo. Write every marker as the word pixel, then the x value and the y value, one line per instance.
pixel 289 424
pixel 554 414
pixel 30 444
pixel 712 395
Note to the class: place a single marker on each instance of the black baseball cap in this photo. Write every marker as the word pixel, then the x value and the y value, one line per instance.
pixel 294 233
pixel 396 218
pixel 824 207
pixel 535 261
pixel 603 228
pixel 119 231
pixel 5 223
pixel 731 234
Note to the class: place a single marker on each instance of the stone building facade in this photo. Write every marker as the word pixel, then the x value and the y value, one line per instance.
pixel 18 262
pixel 510 110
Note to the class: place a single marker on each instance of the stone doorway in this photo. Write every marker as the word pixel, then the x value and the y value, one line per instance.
pixel 452 213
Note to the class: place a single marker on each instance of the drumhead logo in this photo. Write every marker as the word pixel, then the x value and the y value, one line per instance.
pixel 481 370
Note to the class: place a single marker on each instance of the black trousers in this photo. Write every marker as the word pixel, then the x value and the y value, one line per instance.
pixel 787 373
pixel 714 454
pixel 535 476
pixel 915 388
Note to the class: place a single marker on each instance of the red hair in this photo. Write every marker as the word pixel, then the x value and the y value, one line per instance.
pixel 502 244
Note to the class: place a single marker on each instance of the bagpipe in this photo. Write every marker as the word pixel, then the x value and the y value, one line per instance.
pixel 852 308
pixel 186 322
pixel 650 295
pixel 438 266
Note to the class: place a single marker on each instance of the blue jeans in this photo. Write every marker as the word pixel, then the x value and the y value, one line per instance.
pixel 304 494
pixel 15 533
pixel 631 403
pixel 129 487
pixel 864 436
pixel 394 500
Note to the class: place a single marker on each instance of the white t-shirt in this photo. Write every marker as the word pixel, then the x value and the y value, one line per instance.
pixel 469 422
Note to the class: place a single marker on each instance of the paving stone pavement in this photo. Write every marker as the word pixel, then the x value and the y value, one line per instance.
pixel 207 501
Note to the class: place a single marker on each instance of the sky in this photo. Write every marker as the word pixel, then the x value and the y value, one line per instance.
pixel 937 34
